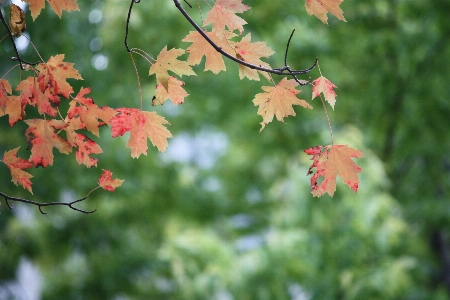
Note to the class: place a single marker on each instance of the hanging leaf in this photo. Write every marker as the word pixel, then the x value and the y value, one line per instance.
pixel 17 20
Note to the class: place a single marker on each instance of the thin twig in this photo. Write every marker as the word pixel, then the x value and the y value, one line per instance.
pixel 40 205
pixel 128 24
pixel 23 63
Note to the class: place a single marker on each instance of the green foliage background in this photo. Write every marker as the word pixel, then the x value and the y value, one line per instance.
pixel 231 215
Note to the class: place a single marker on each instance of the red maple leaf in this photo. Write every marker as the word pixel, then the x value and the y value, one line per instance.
pixel 224 13
pixel 85 147
pixel 332 161
pixel 167 61
pixel 53 75
pixel 89 112
pixel 42 137
pixel 46 102
pixel 252 53
pixel 326 87
pixel 16 166
pixel 107 183
pixel 320 8
pixel 142 125
pixel 176 93
pixel 57 5
pixel 278 101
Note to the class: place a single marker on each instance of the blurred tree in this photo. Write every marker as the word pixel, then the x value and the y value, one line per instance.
pixel 226 213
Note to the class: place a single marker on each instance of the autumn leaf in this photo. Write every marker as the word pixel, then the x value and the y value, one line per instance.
pixel 42 137
pixel 85 147
pixel 200 47
pixel 141 124
pixel 224 13
pixel 323 85
pixel 332 161
pixel 16 20
pixel 9 105
pixel 89 112
pixel 252 53
pixel 5 89
pixel 107 183
pixel 320 8
pixel 167 61
pixel 53 75
pixel 16 166
pixel 176 93
pixel 57 5
pixel 45 101
pixel 278 101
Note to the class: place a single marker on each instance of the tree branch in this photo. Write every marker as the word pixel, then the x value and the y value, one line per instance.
pixel 22 62
pixel 40 205
pixel 284 70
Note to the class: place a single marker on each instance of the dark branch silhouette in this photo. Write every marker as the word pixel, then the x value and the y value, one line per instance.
pixel 23 63
pixel 284 70
pixel 40 205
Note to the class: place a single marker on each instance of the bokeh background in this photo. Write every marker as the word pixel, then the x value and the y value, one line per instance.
pixel 226 212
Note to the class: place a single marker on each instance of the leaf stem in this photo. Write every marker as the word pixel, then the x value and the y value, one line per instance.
pixel 328 118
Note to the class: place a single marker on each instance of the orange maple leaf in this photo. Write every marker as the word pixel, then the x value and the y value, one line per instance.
pixel 45 101
pixel 5 89
pixel 323 85
pixel 53 75
pixel 141 124
pixel 200 47
pixel 10 105
pixel 89 112
pixel 106 182
pixel 176 93
pixel 16 166
pixel 167 61
pixel 42 137
pixel 251 53
pixel 57 5
pixel 224 13
pixel 278 101
pixel 332 161
pixel 320 8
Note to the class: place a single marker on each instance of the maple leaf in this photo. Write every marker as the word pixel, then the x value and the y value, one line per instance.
pixel 320 8
pixel 10 105
pixel 332 161
pixel 278 101
pixel 5 89
pixel 57 5
pixel 89 112
pixel 53 75
pixel 224 13
pixel 85 147
pixel 32 94
pixel 107 183
pixel 200 47
pixel 323 85
pixel 141 124
pixel 167 61
pixel 251 53
pixel 16 166
pixel 176 93
pixel 42 137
